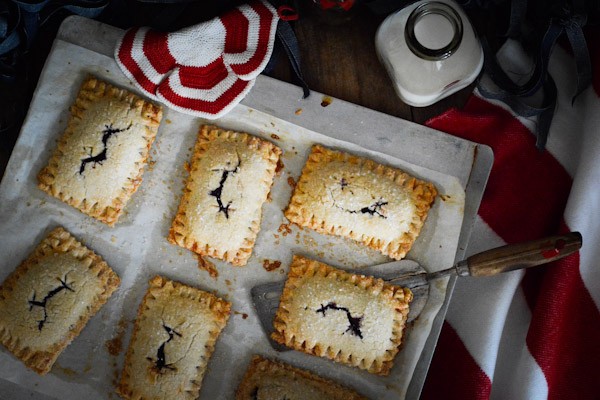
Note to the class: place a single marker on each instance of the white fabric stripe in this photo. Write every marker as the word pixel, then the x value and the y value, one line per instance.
pixel 205 114
pixel 137 53
pixel 479 305
pixel 198 45
pixel 583 209
pixel 566 130
pixel 517 375
pixel 211 94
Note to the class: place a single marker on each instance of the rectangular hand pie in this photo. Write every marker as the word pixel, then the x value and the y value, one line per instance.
pixel 266 379
pixel 231 174
pixel 99 160
pixel 49 298
pixel 174 336
pixel 351 319
pixel 379 206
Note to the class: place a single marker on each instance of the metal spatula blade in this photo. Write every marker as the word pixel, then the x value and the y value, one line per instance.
pixel 410 274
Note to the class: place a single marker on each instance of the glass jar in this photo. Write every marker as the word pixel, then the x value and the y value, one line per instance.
pixel 430 50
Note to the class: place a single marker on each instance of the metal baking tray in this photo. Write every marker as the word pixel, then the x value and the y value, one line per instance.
pixel 271 109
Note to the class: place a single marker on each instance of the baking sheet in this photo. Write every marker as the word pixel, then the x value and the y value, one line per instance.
pixel 137 248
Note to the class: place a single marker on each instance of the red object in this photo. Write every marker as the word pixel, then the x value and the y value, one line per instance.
pixel 336 4
pixel 287 13
pixel 205 69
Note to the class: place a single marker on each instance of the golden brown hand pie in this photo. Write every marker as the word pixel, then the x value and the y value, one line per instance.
pixel 100 158
pixel 349 318
pixel 272 380
pixel 379 206
pixel 49 298
pixel 231 174
pixel 174 336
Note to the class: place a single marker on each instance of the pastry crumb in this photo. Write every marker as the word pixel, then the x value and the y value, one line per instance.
pixel 326 101
pixel 244 315
pixel 269 265
pixel 280 166
pixel 208 266
pixel 114 346
pixel 284 229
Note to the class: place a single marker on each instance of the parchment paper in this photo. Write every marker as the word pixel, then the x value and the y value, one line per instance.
pixel 137 248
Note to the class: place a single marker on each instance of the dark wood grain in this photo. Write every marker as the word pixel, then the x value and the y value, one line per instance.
pixel 339 59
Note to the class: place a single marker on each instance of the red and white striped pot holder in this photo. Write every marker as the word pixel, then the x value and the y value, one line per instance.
pixel 206 69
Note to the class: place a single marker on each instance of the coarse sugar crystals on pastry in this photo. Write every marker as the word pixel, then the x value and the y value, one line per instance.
pixel 49 298
pixel 231 174
pixel 349 318
pixel 173 339
pixel 268 379
pixel 100 158
pixel 346 195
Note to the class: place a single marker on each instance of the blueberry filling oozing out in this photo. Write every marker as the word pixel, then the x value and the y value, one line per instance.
pixel 161 360
pixel 217 192
pixel 374 209
pixel 101 157
pixel 44 302
pixel 353 322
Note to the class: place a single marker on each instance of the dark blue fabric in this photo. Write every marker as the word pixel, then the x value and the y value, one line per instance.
pixel 27 16
pixel 569 18
pixel 287 38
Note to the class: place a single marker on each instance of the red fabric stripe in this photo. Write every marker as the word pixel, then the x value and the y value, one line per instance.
pixel 453 373
pixel 527 190
pixel 212 107
pixel 131 65
pixel 156 50
pixel 203 77
pixel 564 334
pixel 266 18
pixel 525 199
pixel 236 31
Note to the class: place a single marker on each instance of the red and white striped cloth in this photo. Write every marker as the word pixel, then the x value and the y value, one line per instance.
pixel 205 69
pixel 534 334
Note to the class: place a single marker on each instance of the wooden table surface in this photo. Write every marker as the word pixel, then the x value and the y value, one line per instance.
pixel 339 59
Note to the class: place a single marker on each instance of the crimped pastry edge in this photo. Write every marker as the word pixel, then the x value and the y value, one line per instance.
pixel 92 89
pixel 301 268
pixel 220 310
pixel 261 366
pixel 422 193
pixel 179 232
pixel 61 241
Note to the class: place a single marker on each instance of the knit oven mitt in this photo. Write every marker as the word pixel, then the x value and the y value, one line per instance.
pixel 206 69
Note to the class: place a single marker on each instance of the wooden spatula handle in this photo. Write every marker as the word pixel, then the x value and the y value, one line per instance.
pixel 523 255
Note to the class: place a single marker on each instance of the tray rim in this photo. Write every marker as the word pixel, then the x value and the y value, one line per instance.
pixel 473 180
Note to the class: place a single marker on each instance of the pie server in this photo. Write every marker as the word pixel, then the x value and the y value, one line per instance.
pixel 410 274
